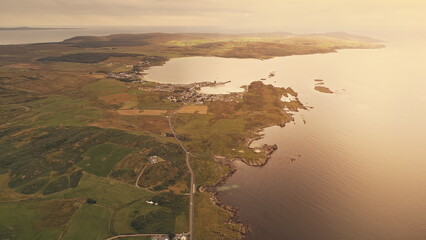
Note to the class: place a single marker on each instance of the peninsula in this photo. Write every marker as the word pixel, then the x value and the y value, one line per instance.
pixel 91 150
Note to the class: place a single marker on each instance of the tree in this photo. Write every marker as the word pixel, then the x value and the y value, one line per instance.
pixel 91 201
pixel 171 235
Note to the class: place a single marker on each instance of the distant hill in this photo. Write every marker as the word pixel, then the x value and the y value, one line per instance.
pixel 337 35
pixel 286 43
pixel 268 34
pixel 347 36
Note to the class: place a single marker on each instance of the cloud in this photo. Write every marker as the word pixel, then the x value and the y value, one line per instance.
pixel 122 7
pixel 265 14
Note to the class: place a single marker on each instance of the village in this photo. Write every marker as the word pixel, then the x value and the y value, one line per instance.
pixel 189 93
pixel 185 93
pixel 135 75
pixel 125 76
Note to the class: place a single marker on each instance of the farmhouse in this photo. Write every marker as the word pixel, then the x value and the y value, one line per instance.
pixel 153 159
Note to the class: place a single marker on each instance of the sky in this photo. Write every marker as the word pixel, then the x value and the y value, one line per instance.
pixel 251 15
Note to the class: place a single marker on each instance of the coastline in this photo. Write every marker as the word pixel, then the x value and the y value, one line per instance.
pixel 255 135
pixel 252 133
pixel 273 111
pixel 230 162
pixel 233 211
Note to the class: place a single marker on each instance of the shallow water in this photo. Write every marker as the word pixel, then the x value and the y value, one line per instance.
pixel 360 161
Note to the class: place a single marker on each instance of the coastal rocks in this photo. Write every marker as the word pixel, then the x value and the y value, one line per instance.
pixel 285 122
pixel 262 107
pixel 268 150
pixel 234 219
pixel 318 87
pixel 271 75
pixel 323 89
pixel 294 105
pixel 242 230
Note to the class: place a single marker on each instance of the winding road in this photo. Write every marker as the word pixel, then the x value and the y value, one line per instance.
pixel 139 176
pixel 192 191
pixel 191 194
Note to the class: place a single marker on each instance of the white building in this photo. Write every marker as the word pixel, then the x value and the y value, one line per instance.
pixel 153 159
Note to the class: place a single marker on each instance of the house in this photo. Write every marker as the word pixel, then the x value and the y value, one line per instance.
pixel 152 203
pixel 181 236
pixel 153 159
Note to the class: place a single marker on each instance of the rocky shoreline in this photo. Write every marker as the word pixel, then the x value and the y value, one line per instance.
pixel 274 98
pixel 268 150
pixel 212 190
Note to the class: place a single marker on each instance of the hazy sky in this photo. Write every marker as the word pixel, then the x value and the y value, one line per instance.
pixel 291 15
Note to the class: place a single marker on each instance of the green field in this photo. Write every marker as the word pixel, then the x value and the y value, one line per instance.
pixel 106 87
pixel 220 137
pixel 160 174
pixel 181 223
pixel 121 223
pixel 156 100
pixel 106 191
pixel 41 220
pixel 167 218
pixel 100 159
pixel 208 171
pixel 90 222
pixel 208 220
pixel 57 111
pixel 52 152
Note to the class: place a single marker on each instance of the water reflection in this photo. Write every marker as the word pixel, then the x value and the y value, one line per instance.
pixel 360 174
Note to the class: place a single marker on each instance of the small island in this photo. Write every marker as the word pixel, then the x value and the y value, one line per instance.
pixel 318 87
pixel 323 89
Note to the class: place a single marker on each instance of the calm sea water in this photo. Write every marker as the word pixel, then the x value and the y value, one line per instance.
pixel 360 168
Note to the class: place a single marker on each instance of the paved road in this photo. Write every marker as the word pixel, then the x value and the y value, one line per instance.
pixel 136 235
pixel 191 194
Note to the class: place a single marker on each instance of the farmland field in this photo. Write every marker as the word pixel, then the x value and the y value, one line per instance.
pixel 193 109
pixel 102 158
pixel 90 222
